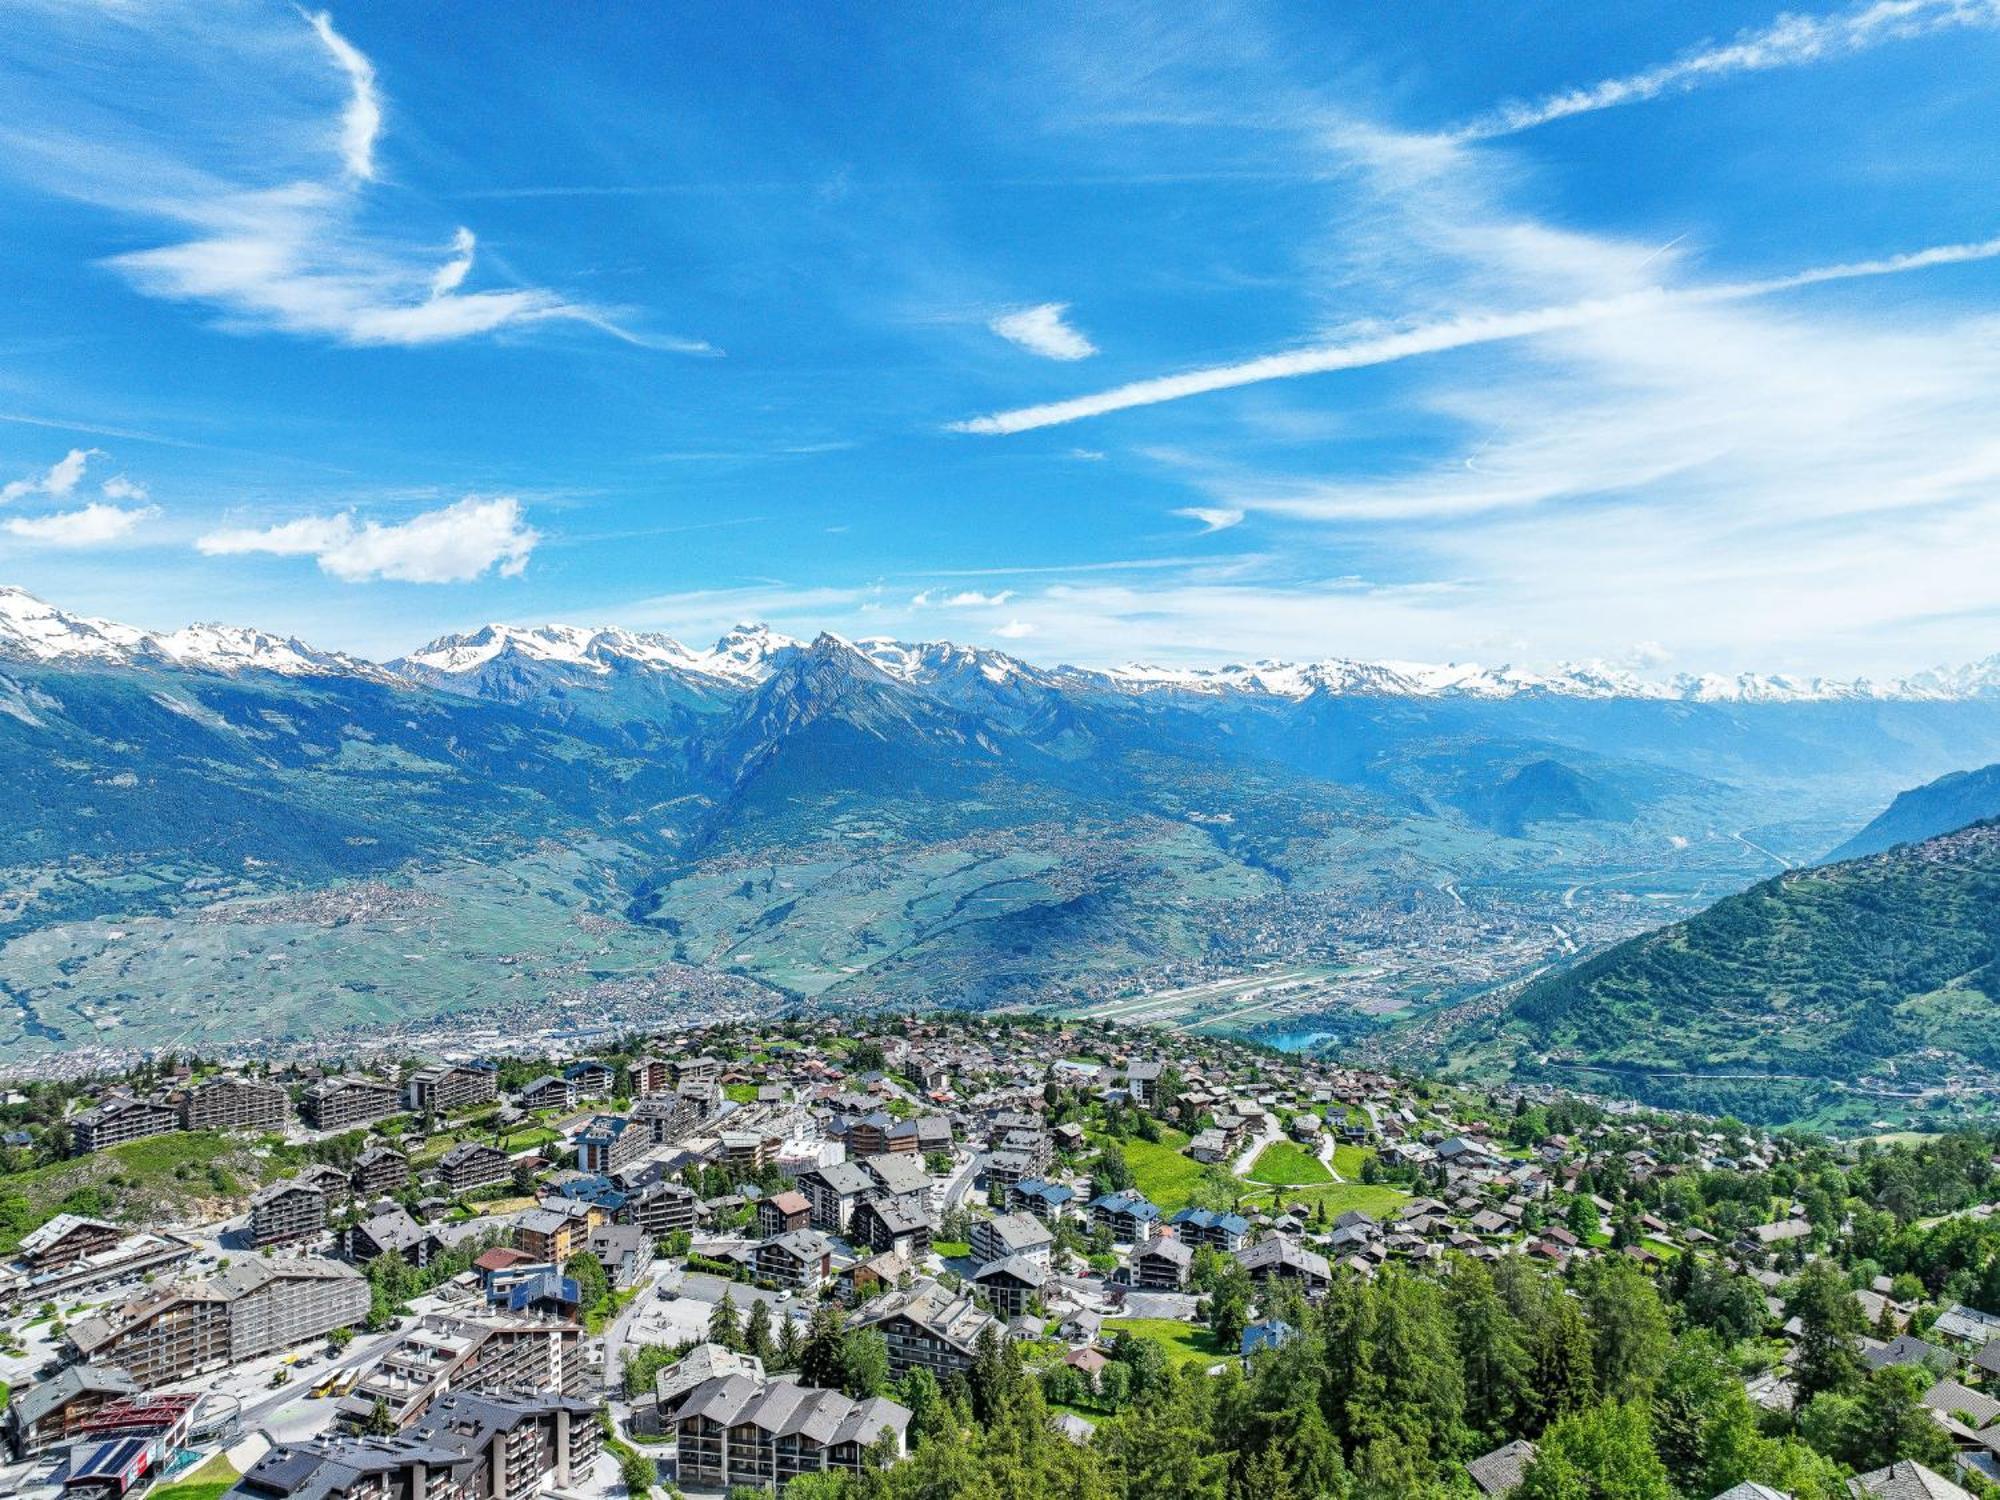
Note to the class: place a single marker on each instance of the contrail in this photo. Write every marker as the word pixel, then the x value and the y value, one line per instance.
pixel 1790 41
pixel 1455 333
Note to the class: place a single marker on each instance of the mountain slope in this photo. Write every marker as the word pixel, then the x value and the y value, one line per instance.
pixel 1877 976
pixel 220 832
pixel 1953 801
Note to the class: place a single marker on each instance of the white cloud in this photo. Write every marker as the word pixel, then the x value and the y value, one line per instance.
pixel 964 599
pixel 450 545
pixel 119 487
pixel 56 481
pixel 1212 517
pixel 92 526
pixel 1015 630
pixel 1789 41
pixel 361 121
pixel 1042 330
pixel 450 276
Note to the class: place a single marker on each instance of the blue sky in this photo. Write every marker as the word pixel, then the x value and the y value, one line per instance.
pixel 1667 334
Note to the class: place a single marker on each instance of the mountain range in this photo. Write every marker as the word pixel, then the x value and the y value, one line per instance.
pixel 32 630
pixel 221 832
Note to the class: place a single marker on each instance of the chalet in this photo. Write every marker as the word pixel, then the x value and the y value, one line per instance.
pixel 1279 1257
pixel 1161 1264
pixel 798 1259
pixel 1500 1472
pixel 926 1327
pixel 1129 1214
pixel 1267 1333
pixel 1010 1285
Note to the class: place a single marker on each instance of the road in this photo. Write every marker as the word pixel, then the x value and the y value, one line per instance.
pixel 960 1182
pixel 1248 1156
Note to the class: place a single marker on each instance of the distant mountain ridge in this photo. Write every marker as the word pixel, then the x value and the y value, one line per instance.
pixel 33 630
pixel 1952 801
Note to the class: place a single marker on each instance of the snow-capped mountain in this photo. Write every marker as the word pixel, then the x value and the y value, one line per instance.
pixel 32 630
pixel 742 657
pixel 749 654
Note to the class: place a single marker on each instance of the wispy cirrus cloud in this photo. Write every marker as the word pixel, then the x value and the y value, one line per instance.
pixel 1791 40
pixel 361 119
pixel 282 240
pixel 1043 330
pixel 1212 517
pixel 453 544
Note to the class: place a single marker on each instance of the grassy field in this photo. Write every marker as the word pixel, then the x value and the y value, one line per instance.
pixel 1349 1160
pixel 1166 1177
pixel 1184 1343
pixel 951 1249
pixel 1285 1163
pixel 1376 1201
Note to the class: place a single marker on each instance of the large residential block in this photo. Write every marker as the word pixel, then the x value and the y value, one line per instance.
pixel 285 1212
pixel 233 1103
pixel 346 1101
pixel 254 1307
pixel 442 1088
pixel 116 1121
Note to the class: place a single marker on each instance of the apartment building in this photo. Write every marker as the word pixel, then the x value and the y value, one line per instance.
pixel 609 1142
pixel 286 1212
pixel 443 1088
pixel 234 1103
pixel 348 1100
pixel 116 1121
pixel 926 1326
pixel 252 1308
pixel 473 1164
pixel 468 1446
pixel 445 1352
pixel 380 1169
pixel 740 1430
